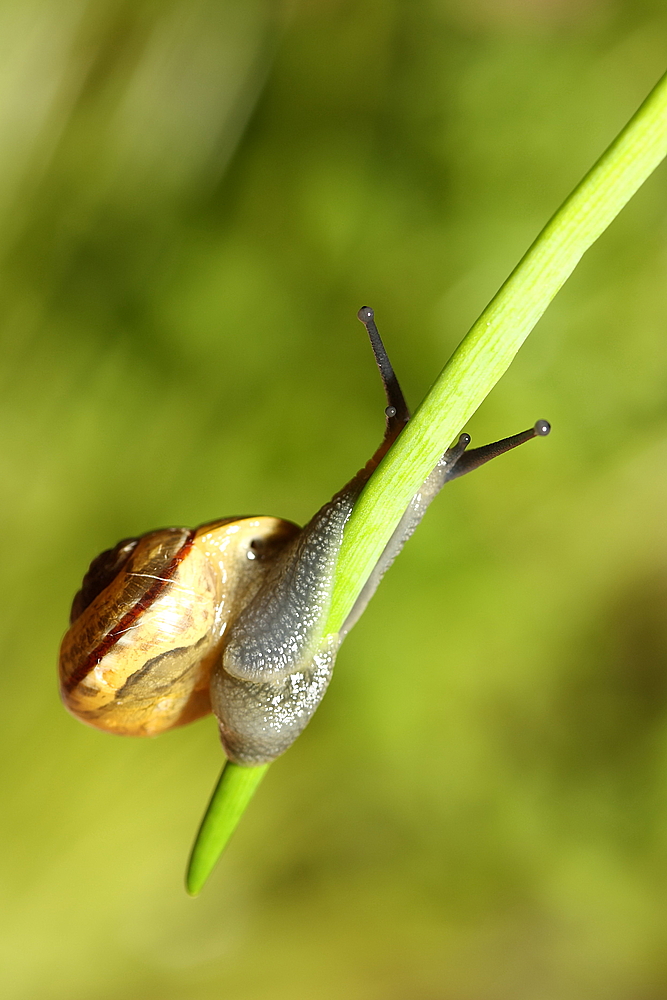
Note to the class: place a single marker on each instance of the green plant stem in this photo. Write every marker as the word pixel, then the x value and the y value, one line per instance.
pixel 236 786
pixel 481 359
pixel 491 345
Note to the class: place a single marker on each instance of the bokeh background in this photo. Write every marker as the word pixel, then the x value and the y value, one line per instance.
pixel 196 196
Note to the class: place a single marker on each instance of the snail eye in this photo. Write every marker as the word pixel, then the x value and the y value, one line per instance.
pixel 258 549
pixel 267 547
pixel 100 574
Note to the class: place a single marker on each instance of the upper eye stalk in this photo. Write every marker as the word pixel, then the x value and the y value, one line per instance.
pixel 231 616
pixel 397 412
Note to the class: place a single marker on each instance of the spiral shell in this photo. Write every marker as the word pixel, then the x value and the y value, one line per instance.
pixel 149 622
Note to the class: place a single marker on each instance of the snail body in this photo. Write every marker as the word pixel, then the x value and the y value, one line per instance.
pixel 230 616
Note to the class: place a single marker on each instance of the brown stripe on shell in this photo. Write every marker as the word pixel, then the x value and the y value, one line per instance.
pixel 112 637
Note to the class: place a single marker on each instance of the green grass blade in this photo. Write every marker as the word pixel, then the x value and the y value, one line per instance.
pixel 236 786
pixel 481 359
pixel 489 348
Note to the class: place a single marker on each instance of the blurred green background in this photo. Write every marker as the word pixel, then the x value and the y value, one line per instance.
pixel 196 196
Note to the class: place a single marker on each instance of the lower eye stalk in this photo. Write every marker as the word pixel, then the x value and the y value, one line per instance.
pixel 471 460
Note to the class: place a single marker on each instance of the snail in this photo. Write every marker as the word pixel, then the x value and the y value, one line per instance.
pixel 229 616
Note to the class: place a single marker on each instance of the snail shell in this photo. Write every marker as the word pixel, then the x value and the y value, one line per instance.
pixel 148 624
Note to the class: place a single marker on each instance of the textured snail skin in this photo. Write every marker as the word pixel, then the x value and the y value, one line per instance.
pixel 137 659
pixel 275 664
